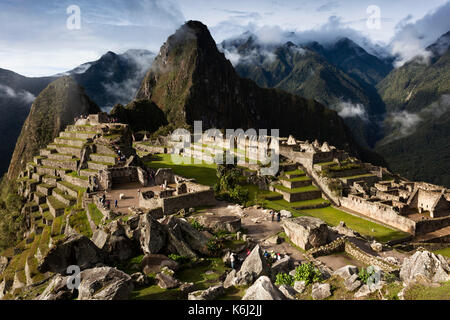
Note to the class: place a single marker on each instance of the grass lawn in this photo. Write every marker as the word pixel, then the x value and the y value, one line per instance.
pixel 194 272
pixel 333 216
pixel 445 252
pixel 420 292
pixel 296 190
pixel 96 215
pixel 204 173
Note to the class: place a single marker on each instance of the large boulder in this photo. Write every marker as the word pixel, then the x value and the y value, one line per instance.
pixel 153 263
pixel 113 241
pixel 210 294
pixel 184 232
pixel 283 265
pixel 152 235
pixel 320 291
pixel 263 289
pixel 166 281
pixel 216 223
pixel 346 271
pixel 306 232
pixel 76 250
pixel 58 289
pixel 3 263
pixel 425 266
pixel 255 264
pixel 288 291
pixel 352 283
pixel 104 283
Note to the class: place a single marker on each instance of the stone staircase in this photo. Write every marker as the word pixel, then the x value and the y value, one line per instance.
pixel 298 189
pixel 57 177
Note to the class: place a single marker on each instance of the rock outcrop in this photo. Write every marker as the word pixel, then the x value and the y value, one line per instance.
pixel 209 294
pixel 74 250
pixel 425 266
pixel 58 290
pixel 153 263
pixel 263 289
pixel 104 283
pixel 320 291
pixel 114 242
pixel 306 232
pixel 153 235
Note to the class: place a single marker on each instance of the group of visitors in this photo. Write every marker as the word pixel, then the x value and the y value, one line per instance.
pixel 82 117
pixel 272 213
pixel 112 120
pixel 272 256
pixel 105 202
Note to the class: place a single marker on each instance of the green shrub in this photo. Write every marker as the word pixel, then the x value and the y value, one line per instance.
pixel 197 225
pixel 308 273
pixel 284 278
pixel 365 273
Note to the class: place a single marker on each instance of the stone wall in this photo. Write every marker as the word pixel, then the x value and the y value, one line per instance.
pixel 379 212
pixel 368 259
pixel 336 246
pixel 426 226
pixel 124 175
pixel 189 200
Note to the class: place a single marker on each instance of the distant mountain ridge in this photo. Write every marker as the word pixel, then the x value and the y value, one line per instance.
pixel 341 76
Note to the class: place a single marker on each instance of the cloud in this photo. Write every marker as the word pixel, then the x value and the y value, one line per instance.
pixel 349 110
pixel 40 27
pixel 22 95
pixel 405 123
pixel 123 92
pixel 412 38
pixel 329 6
pixel 326 34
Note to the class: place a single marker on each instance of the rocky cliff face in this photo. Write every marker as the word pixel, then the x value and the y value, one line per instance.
pixel 191 80
pixel 54 108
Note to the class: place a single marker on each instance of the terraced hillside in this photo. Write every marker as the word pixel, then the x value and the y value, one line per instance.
pixel 54 185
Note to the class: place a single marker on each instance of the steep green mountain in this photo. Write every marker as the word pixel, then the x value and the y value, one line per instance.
pixel 354 60
pixel 141 115
pixel 417 97
pixel 112 79
pixel 318 73
pixel 16 96
pixel 191 80
pixel 54 108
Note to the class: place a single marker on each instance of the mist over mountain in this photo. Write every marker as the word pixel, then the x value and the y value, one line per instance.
pixel 112 79
pixel 339 74
pixel 417 125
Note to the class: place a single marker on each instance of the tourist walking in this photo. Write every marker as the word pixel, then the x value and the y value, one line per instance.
pixel 278 217
pixel 272 214
pixel 115 203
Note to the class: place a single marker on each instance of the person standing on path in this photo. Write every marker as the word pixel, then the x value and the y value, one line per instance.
pixel 115 203
pixel 278 217
pixel 273 214
pixel 232 260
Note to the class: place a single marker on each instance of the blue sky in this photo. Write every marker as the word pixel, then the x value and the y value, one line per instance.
pixel 35 41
